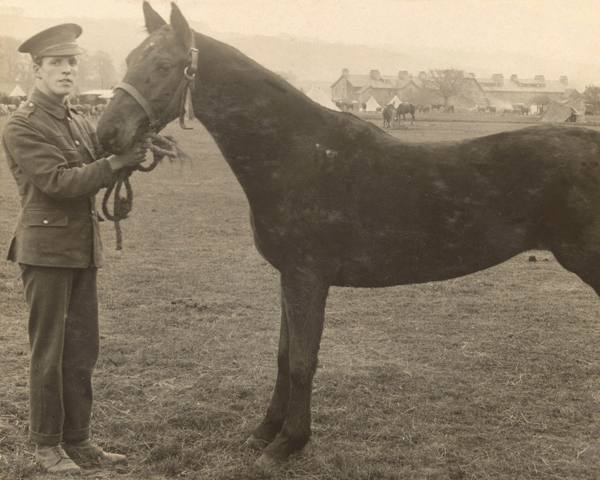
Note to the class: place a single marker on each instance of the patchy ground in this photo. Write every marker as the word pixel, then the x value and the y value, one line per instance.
pixel 491 376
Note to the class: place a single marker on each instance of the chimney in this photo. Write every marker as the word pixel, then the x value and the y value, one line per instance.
pixel 345 72
pixel 403 75
pixel 541 78
pixel 498 78
pixel 375 75
pixel 423 75
pixel 564 79
pixel 514 77
pixel 471 75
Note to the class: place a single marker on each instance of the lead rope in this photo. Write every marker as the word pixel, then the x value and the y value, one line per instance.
pixel 160 147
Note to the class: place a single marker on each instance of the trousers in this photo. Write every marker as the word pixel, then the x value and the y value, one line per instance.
pixel 64 344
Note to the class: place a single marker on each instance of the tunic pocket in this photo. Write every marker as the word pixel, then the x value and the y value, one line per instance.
pixel 46 218
pixel 69 151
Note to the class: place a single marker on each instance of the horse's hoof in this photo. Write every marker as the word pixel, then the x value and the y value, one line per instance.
pixel 266 462
pixel 256 443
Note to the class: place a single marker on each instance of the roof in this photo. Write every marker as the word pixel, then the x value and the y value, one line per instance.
pixel 99 92
pixel 522 85
pixel 384 82
pixel 367 80
pixel 404 82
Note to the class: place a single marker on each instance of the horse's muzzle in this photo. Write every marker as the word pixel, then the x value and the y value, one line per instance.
pixel 122 124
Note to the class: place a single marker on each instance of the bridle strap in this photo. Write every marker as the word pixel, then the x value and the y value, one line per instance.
pixel 186 85
pixel 131 90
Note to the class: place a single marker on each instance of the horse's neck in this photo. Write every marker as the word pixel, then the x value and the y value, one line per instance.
pixel 255 117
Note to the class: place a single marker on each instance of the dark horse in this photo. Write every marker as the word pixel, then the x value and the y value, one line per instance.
pixel 405 108
pixel 388 116
pixel 336 201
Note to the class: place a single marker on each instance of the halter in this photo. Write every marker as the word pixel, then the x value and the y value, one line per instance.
pixel 182 94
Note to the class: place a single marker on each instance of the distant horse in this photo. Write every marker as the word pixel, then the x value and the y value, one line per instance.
pixel 335 201
pixel 492 109
pixel 437 107
pixel 405 108
pixel 450 109
pixel 388 116
pixel 481 108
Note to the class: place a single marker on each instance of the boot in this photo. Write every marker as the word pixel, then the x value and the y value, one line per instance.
pixel 87 453
pixel 54 459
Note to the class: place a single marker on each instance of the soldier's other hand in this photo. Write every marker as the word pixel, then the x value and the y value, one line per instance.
pixel 132 157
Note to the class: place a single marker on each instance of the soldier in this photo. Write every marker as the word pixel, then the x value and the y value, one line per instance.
pixel 54 156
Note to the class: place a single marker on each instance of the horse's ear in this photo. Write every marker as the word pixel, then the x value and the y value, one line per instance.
pixel 153 20
pixel 180 24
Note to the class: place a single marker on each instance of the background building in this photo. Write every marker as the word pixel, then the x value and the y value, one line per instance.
pixel 497 90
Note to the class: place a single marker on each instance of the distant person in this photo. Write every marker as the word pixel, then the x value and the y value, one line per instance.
pixel 53 154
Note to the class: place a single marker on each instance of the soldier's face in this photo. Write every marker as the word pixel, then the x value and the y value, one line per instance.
pixel 56 75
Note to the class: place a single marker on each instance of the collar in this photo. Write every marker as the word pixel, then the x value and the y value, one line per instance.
pixel 43 101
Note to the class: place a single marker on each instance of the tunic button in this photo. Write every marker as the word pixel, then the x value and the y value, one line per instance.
pixel 69 119
pixel 77 142
pixel 31 104
pixel 45 222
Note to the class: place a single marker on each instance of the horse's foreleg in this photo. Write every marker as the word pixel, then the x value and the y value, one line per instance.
pixel 271 425
pixel 583 259
pixel 304 299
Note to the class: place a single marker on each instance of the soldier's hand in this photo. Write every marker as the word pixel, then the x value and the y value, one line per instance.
pixel 132 157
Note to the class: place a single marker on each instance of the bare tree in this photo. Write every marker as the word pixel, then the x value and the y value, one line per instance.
pixel 96 70
pixel 105 69
pixel 591 96
pixel 447 83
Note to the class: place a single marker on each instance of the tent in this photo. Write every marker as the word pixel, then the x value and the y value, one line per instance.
pixel 565 110
pixel 318 95
pixel 372 105
pixel 17 92
pixel 395 101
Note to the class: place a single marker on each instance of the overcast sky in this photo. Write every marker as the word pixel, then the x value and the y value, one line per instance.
pixel 540 27
pixel 558 30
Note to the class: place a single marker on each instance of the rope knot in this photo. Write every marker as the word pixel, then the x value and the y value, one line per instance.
pixel 122 206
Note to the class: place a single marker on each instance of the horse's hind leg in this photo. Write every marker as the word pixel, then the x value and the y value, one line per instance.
pixel 271 425
pixel 304 299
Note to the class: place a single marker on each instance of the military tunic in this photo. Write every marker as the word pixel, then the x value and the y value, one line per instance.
pixel 52 153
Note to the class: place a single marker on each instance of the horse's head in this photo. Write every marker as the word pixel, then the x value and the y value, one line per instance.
pixel 155 70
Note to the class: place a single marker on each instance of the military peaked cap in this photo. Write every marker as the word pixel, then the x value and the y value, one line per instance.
pixel 53 42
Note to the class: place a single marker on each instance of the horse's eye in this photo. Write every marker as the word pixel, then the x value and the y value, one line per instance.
pixel 165 67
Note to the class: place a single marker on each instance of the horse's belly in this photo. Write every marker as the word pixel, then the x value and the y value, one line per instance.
pixel 428 258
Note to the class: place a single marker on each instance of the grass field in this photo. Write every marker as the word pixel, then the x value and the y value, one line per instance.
pixel 491 376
